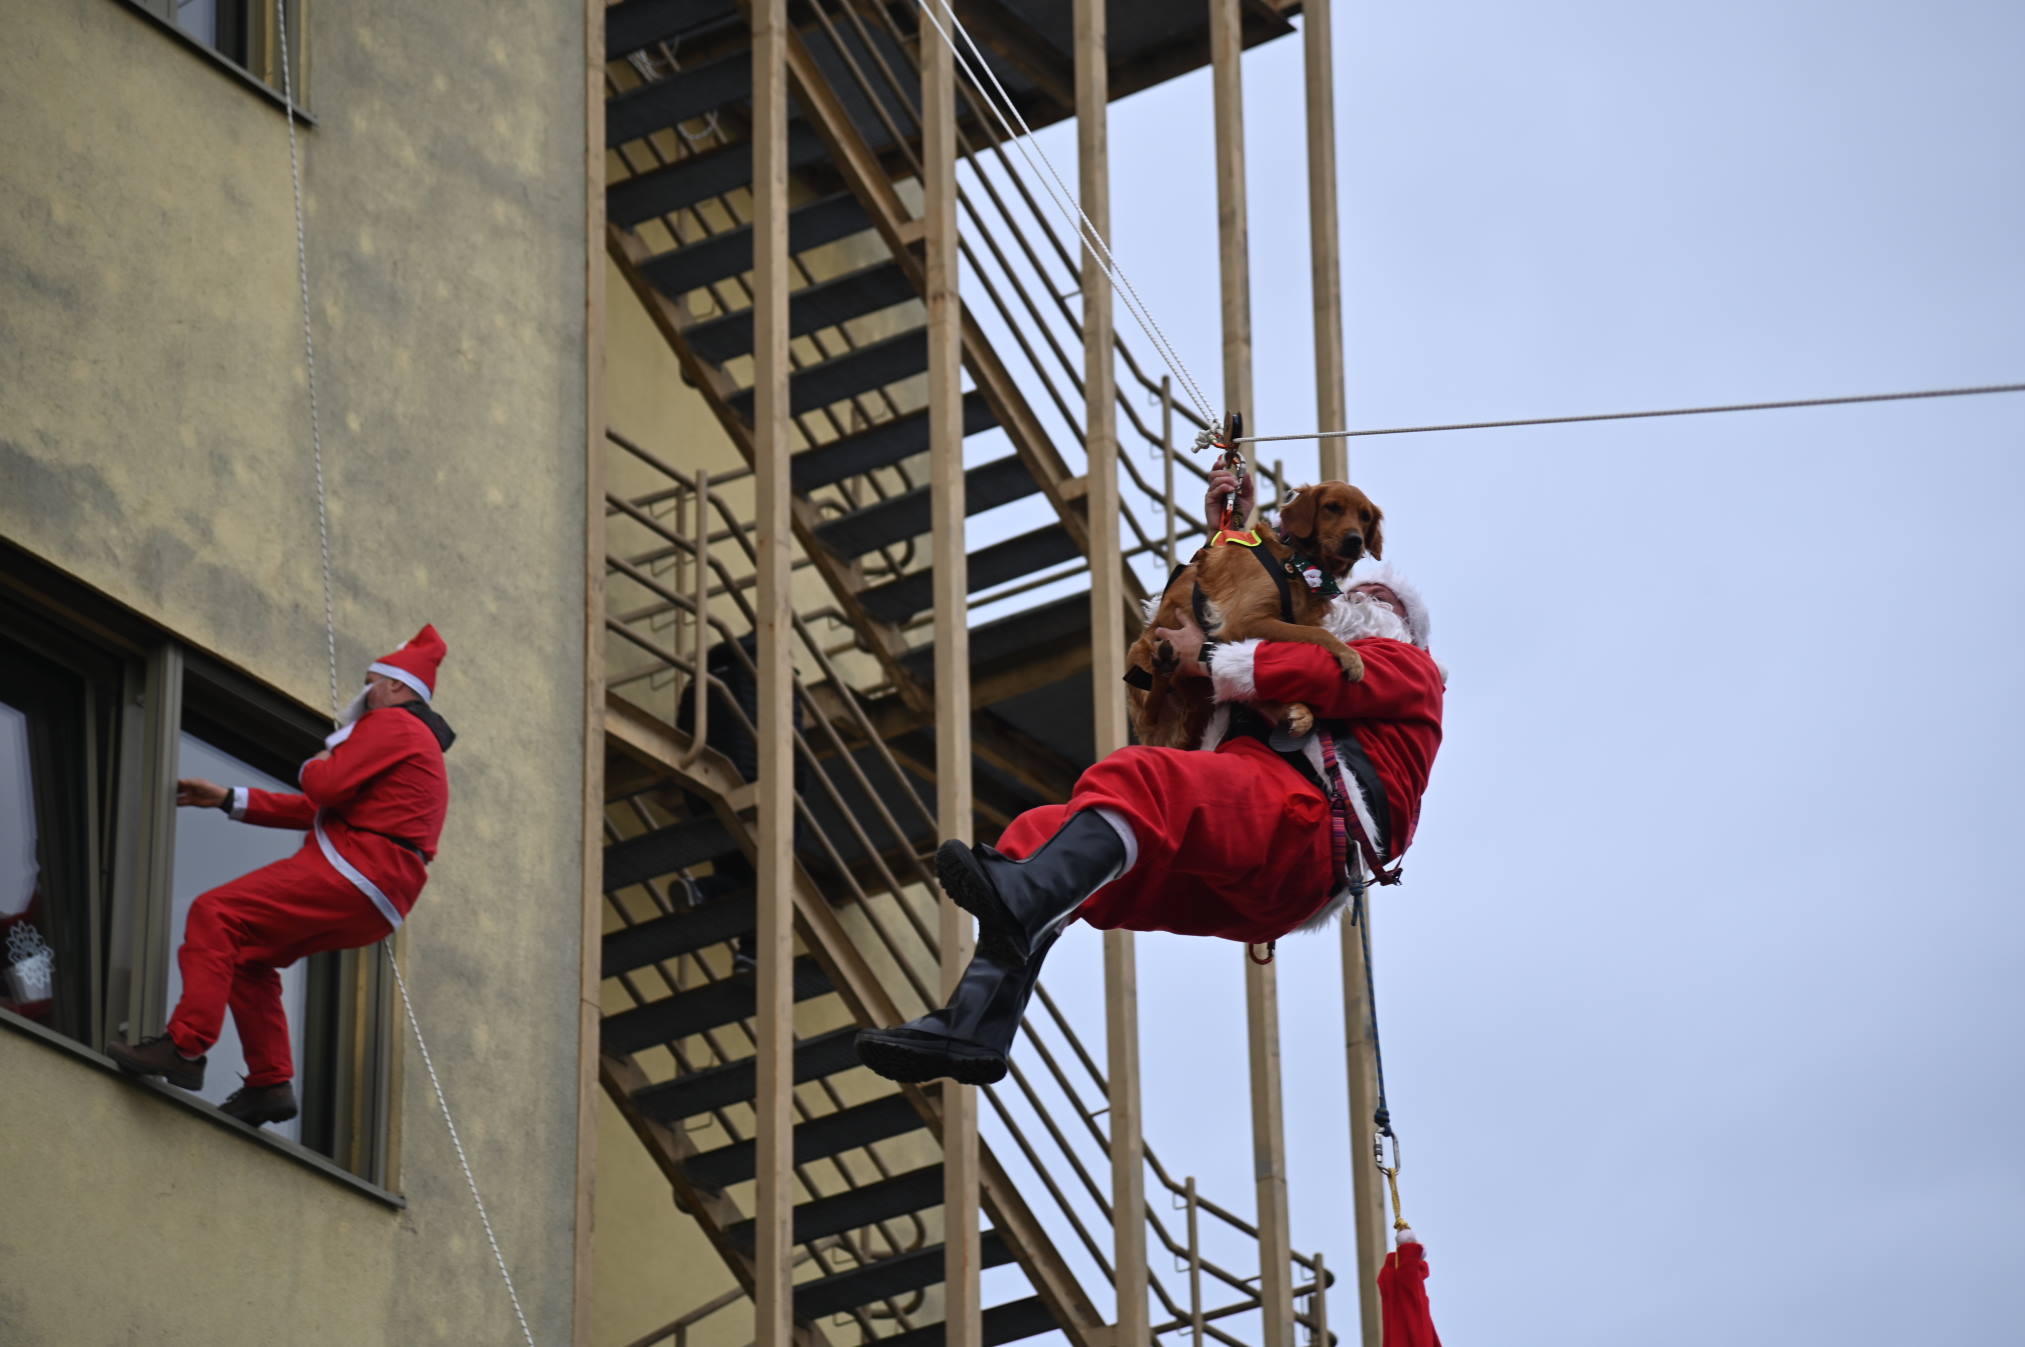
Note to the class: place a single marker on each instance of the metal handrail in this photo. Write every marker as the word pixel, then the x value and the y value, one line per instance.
pixel 736 531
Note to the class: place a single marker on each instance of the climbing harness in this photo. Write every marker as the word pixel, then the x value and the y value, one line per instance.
pixel 330 647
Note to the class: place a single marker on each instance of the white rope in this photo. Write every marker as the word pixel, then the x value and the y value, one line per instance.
pixel 330 633
pixel 463 1160
pixel 1065 201
pixel 308 347
pixel 1640 416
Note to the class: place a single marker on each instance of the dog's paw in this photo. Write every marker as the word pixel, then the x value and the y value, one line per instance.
pixel 1166 661
pixel 1352 665
pixel 1299 720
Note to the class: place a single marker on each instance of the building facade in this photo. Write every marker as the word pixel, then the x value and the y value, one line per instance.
pixel 162 613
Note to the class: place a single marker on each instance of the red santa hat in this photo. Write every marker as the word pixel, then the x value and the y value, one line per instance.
pixel 415 662
pixel 1369 572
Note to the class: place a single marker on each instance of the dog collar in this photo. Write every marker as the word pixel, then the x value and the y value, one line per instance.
pixel 1242 537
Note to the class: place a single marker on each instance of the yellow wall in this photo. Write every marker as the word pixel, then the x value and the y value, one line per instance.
pixel 153 442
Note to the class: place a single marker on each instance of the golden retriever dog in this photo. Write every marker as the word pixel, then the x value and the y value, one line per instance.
pixel 1232 596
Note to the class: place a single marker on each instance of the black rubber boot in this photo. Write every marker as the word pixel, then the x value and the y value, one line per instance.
pixel 967 1040
pixel 257 1104
pixel 157 1056
pixel 1019 904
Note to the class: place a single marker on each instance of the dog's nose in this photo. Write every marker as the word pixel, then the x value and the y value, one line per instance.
pixel 1352 545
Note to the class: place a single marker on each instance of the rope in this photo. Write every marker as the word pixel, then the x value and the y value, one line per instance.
pixel 330 634
pixel 1381 1121
pixel 1065 200
pixel 1638 416
pixel 462 1159
pixel 308 347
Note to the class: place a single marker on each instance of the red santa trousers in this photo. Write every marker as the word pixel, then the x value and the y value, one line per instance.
pixel 1233 843
pixel 238 938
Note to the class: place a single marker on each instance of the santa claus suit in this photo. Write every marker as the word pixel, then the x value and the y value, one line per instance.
pixel 373 805
pixel 1238 842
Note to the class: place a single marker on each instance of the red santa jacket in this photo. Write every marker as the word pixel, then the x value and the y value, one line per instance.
pixel 1394 713
pixel 381 783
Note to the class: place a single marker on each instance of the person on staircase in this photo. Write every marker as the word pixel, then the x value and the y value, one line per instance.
pixel 1255 839
pixel 373 804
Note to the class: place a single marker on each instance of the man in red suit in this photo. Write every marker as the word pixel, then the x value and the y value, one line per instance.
pixel 1261 836
pixel 372 804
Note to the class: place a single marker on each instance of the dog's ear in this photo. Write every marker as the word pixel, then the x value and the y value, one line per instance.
pixel 1297 518
pixel 1374 532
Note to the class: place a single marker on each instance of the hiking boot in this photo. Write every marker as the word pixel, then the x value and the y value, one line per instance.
pixel 158 1056
pixel 970 1039
pixel 257 1104
pixel 1020 905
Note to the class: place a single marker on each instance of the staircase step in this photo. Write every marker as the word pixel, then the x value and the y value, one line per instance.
pixel 689 93
pixel 907 516
pixel 871 366
pixel 856 1208
pixel 1011 640
pixel 664 851
pixel 880 446
pixel 735 1082
pixel 707 1007
pixel 887 1278
pixel 1005 1323
pixel 722 256
pixel 815 1139
pixel 641 23
pixel 810 309
pixel 723 918
pixel 700 177
pixel 898 600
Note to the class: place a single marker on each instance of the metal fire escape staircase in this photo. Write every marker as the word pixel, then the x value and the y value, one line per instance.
pixel 677 1038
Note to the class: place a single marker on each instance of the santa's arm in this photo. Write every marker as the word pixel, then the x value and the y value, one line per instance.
pixel 334 776
pixel 269 808
pixel 1400 680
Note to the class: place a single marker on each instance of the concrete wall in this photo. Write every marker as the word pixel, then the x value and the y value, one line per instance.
pixel 154 442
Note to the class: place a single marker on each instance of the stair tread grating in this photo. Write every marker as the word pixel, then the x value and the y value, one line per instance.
pixel 697 1092
pixel 814 1139
pixel 985 487
pixel 706 1007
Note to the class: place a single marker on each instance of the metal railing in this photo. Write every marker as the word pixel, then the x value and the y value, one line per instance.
pixel 851 832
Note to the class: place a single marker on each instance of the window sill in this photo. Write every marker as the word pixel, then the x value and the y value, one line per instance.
pixel 231 68
pixel 302 1155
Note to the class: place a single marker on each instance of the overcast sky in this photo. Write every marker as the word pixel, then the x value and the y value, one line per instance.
pixel 1701 1001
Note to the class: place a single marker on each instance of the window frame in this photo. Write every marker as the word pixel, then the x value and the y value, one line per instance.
pixel 141 689
pixel 258 17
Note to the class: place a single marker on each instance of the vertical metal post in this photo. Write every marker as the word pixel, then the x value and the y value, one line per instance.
pixel 591 898
pixel 1319 1304
pixel 773 1309
pixel 1167 465
pixel 1195 1320
pixel 699 673
pixel 1262 1002
pixel 963 1323
pixel 1107 662
pixel 1331 411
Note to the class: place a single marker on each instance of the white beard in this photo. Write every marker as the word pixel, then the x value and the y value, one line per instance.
pixel 1352 617
pixel 346 719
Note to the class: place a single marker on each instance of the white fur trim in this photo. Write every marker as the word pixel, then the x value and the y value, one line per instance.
pixel 336 737
pixel 1369 572
pixel 1408 1237
pixel 240 796
pixel 400 675
pixel 1361 807
pixel 1123 827
pixel 1231 672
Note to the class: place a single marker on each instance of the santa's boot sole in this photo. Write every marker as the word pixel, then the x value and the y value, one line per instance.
pixel 911 1058
pixel 999 935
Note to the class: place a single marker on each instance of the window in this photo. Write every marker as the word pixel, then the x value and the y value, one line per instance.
pixel 99 715
pixel 245 33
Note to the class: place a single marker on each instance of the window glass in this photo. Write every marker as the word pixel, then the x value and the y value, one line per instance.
pixel 45 916
pixel 212 849
pixel 27 963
